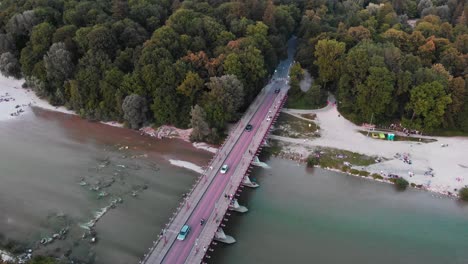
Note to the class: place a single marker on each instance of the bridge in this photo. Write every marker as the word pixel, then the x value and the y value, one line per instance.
pixel 215 193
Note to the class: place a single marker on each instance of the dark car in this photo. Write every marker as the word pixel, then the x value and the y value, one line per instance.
pixel 277 90
pixel 248 127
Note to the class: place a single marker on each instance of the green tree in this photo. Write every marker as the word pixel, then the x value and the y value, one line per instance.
pixel 428 103
pixel 200 128
pixel 59 66
pixel 135 110
pixel 463 194
pixel 223 101
pixel 401 184
pixel 191 87
pixel 328 54
pixel 375 95
pixel 9 65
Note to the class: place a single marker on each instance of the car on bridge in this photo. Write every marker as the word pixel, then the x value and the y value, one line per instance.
pixel 224 169
pixel 248 127
pixel 277 90
pixel 183 232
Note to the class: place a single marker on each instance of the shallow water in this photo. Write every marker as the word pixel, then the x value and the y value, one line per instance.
pixel 316 216
pixel 43 159
pixel 296 216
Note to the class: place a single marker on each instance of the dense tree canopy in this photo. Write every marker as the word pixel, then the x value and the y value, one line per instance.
pixel 395 60
pixel 91 55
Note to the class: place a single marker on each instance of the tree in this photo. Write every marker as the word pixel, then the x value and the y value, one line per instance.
pixel 135 110
pixel 59 66
pixel 22 23
pixel 401 184
pixel 191 87
pixel 9 65
pixel 375 94
pixel 223 100
pixel 428 102
pixel 200 128
pixel 463 194
pixel 6 43
pixel 328 54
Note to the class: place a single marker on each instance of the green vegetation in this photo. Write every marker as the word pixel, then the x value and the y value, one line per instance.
pixel 42 260
pixel 335 158
pixel 315 97
pixel 290 126
pixel 147 61
pixel 170 56
pixel 463 193
pixel 401 184
pixel 376 176
pixel 364 173
pixel 312 161
pixel 379 66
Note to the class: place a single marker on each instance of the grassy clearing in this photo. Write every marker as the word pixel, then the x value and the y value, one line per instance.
pixel 293 127
pixel 335 158
pixel 400 138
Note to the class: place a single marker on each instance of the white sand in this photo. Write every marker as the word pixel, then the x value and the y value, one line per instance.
pixel 448 163
pixel 204 146
pixel 11 88
pixel 187 165
pixel 5 256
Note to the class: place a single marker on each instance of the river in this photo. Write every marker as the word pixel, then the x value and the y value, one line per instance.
pixel 299 215
pixel 50 162
pixel 51 166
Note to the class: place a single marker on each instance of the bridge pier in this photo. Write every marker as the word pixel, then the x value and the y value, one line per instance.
pixel 236 207
pixel 256 162
pixel 222 237
pixel 247 182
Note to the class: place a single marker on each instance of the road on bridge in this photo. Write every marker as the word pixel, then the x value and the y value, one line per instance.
pixel 202 202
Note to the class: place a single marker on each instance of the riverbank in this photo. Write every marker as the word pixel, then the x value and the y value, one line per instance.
pixel 438 166
pixel 16 100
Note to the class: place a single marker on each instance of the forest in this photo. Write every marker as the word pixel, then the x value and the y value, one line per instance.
pixel 200 63
pixel 183 63
pixel 396 61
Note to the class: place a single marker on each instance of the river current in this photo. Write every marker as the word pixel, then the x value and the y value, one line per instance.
pixel 60 172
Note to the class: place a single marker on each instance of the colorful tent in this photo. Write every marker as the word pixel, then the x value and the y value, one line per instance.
pixel 391 137
pixel 382 135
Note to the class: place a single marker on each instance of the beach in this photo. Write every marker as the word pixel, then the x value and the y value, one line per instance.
pixel 446 156
pixel 16 100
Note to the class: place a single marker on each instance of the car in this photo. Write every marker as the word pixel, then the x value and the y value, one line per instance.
pixel 277 90
pixel 224 169
pixel 248 127
pixel 183 232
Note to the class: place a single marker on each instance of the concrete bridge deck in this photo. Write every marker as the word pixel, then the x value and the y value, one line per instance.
pixel 207 199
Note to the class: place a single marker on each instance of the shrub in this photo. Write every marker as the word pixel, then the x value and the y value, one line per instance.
pixel 376 176
pixel 364 173
pixel 401 184
pixel 354 172
pixel 463 193
pixel 312 161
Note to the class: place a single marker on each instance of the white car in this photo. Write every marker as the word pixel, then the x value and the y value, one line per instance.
pixel 224 169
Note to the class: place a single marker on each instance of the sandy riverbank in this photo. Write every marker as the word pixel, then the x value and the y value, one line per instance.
pixel 16 101
pixel 449 164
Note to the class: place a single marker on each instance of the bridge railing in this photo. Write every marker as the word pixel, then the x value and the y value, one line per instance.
pixel 209 171
pixel 216 218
